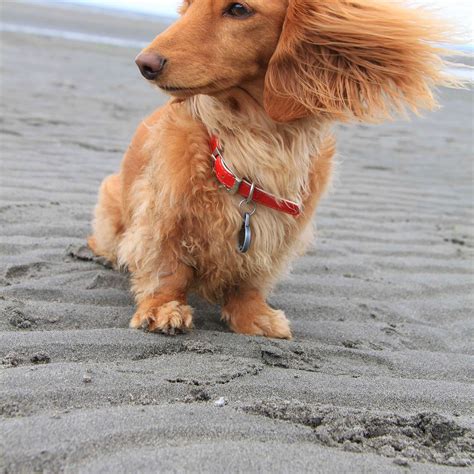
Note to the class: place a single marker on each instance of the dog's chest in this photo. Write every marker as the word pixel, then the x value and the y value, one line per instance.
pixel 201 220
pixel 214 225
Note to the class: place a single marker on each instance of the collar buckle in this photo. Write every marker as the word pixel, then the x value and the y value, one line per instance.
pixel 235 188
pixel 252 194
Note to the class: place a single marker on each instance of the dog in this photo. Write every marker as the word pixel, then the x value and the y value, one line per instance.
pixel 217 191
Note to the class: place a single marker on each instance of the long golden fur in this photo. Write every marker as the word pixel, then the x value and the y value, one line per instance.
pixel 269 84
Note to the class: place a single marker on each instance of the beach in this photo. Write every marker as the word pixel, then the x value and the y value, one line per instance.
pixel 378 377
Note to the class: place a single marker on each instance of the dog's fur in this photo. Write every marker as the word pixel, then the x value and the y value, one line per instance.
pixel 269 86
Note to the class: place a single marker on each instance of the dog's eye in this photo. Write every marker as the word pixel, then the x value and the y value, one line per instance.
pixel 238 10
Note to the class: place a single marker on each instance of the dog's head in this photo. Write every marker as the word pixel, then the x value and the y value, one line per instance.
pixel 216 45
pixel 342 59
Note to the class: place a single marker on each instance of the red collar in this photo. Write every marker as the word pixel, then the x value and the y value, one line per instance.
pixel 236 185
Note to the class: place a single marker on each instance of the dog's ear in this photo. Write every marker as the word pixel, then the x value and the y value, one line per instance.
pixel 354 59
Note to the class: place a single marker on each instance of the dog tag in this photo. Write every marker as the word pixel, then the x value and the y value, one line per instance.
pixel 245 235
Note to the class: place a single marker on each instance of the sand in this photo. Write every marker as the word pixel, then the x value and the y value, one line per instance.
pixel 379 375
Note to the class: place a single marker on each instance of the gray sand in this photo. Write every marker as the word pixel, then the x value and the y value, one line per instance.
pixel 379 375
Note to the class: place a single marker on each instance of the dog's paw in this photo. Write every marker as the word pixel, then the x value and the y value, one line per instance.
pixel 92 244
pixel 272 323
pixel 169 318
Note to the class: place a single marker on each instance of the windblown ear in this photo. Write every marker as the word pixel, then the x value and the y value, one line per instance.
pixel 354 59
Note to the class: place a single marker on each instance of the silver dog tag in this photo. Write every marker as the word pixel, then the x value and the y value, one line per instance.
pixel 245 235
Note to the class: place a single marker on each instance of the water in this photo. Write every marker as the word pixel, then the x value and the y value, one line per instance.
pixel 163 8
pixel 71 35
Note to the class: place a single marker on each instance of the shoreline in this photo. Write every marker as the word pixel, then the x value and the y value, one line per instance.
pixel 103 10
pixel 81 22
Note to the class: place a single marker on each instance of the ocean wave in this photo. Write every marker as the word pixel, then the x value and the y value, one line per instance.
pixel 71 35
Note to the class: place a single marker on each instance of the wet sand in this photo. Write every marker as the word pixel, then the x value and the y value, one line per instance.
pixel 379 375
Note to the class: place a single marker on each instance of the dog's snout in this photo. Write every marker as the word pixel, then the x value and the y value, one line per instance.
pixel 151 65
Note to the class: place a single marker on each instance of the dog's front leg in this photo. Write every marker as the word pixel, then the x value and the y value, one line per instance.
pixel 246 312
pixel 165 309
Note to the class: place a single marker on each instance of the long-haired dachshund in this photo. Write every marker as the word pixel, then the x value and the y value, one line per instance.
pixel 217 191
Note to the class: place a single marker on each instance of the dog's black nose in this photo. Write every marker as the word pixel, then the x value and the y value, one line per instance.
pixel 151 65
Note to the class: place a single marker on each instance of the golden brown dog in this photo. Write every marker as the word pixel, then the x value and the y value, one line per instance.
pixel 268 78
